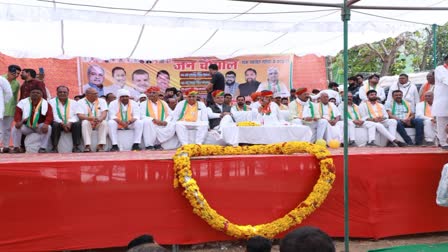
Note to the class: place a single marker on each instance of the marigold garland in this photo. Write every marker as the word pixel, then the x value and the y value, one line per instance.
pixel 247 124
pixel 183 176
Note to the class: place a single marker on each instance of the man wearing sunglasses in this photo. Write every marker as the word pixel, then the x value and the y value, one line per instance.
pixel 9 106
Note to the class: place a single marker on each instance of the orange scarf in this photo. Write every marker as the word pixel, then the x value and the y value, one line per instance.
pixel 372 113
pixel 330 111
pixel 190 112
pixel 124 117
pixel 427 109
pixel 93 112
pixel 266 110
pixel 426 88
pixel 162 111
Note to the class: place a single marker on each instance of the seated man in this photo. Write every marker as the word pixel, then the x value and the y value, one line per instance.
pixel 93 114
pixel 303 111
pixel 329 112
pixel 268 112
pixel 65 119
pixel 256 101
pixel 124 114
pixel 241 111
pixel 423 111
pixel 191 114
pixel 278 100
pixel 355 121
pixel 33 115
pixel 219 112
pixel 157 120
pixel 404 113
pixel 373 111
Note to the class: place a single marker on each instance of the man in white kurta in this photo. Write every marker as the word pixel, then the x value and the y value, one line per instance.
pixel 372 84
pixel 423 111
pixel 191 114
pixel 311 117
pixel 5 96
pixel 268 111
pixel 296 107
pixel 373 111
pixel 410 92
pixel 124 114
pixel 65 119
pixel 93 115
pixel 330 112
pixel 440 105
pixel 355 121
pixel 240 111
pixel 158 124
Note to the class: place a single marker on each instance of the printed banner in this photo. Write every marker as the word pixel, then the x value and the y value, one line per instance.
pixel 182 73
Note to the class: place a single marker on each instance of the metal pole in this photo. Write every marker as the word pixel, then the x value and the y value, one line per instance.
pixel 434 45
pixel 175 248
pixel 345 19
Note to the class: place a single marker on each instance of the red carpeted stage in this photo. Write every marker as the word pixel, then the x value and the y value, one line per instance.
pixel 80 201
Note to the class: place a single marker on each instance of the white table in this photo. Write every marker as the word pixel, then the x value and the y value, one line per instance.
pixel 268 134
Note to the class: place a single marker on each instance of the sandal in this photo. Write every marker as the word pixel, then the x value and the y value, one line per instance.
pixel 87 149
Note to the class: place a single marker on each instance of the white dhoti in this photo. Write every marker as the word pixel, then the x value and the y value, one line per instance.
pixel 25 130
pixel 136 126
pixel 319 128
pixel 297 121
pixel 154 134
pixel 442 121
pixel 86 129
pixel 5 130
pixel 231 136
pixel 183 127
pixel 429 129
pixel 370 126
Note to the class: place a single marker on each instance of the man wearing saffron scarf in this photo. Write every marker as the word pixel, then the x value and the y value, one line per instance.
pixel 428 86
pixel 303 111
pixel 191 114
pixel 241 111
pixel 64 119
pixel 93 114
pixel 355 121
pixel 373 111
pixel 33 115
pixel 423 111
pixel 158 126
pixel 372 84
pixel 268 112
pixel 403 112
pixel 440 106
pixel 408 89
pixel 124 114
pixel 328 111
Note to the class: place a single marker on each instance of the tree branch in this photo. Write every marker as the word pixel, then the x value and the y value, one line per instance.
pixel 387 52
pixel 375 51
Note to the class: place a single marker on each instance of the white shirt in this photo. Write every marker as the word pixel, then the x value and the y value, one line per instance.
pixel 73 108
pixel 440 104
pixel 134 94
pixel 364 110
pixel 202 111
pixel 84 106
pixel 5 94
pixel 324 110
pixel 420 111
pixel 351 110
pixel 213 115
pixel 379 92
pixel 143 108
pixel 114 108
pixel 410 93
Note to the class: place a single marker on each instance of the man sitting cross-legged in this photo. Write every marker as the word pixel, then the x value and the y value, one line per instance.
pixel 355 121
pixel 124 114
pixel 65 119
pixel 93 114
pixel 33 115
pixel 404 113
pixel 308 114
pixel 157 120
pixel 191 114
pixel 373 111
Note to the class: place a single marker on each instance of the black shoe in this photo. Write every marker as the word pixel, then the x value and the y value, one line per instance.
pixel 371 144
pixel 400 144
pixel 42 150
pixel 114 148
pixel 391 144
pixel 352 143
pixel 429 143
pixel 5 150
pixel 149 147
pixel 76 149
pixel 445 147
pixel 158 147
pixel 136 147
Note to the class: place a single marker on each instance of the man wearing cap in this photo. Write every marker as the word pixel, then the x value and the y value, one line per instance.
pixel 372 84
pixel 373 111
pixel 273 83
pixel 33 115
pixel 191 114
pixel 440 105
pixel 423 111
pixel 241 111
pixel 355 121
pixel 9 106
pixel 268 111
pixel 124 114
pixel 158 126
pixel 142 98
pixel 219 112
pixel 65 119
pixel 93 114
pixel 256 101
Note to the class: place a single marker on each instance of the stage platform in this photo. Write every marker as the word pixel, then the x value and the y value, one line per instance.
pixel 96 200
